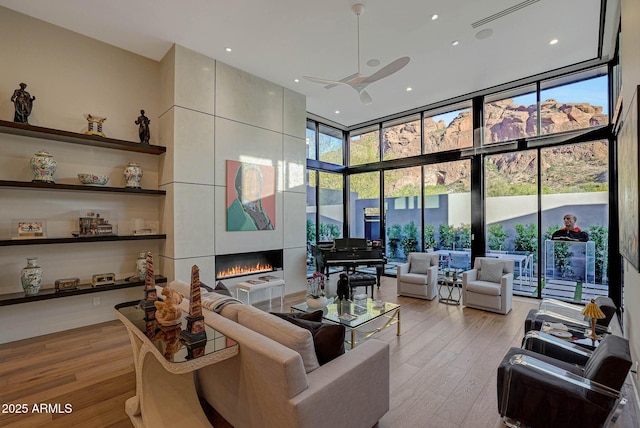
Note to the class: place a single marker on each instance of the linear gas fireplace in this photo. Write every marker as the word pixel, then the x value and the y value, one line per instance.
pixel 235 265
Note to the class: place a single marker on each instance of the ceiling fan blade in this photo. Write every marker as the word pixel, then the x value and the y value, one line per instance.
pixel 388 70
pixel 365 97
pixel 323 81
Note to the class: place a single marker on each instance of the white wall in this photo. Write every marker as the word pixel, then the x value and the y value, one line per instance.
pixel 71 76
pixel 630 60
pixel 203 111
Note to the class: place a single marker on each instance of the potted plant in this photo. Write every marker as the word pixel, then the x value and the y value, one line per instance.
pixel 316 297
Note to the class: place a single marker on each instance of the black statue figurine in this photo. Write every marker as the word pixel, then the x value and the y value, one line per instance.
pixel 23 103
pixel 343 287
pixel 143 130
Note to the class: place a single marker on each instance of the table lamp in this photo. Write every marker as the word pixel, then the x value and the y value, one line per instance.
pixel 592 310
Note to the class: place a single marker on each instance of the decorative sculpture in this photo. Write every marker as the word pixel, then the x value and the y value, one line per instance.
pixel 23 102
pixel 150 297
pixel 195 336
pixel 143 128
pixel 343 287
pixel 168 312
pixel 91 120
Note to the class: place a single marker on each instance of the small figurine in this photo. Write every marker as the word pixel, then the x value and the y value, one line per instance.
pixel 143 130
pixel 91 120
pixel 168 312
pixel 343 287
pixel 23 102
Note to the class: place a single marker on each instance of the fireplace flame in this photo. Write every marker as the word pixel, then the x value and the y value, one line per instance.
pixel 244 270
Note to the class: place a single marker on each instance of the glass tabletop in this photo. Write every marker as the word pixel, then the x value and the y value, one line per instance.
pixel 167 339
pixel 349 314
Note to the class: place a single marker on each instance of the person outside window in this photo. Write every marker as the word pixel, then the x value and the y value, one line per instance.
pixel 570 232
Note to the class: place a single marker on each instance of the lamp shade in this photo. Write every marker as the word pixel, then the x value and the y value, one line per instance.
pixel 592 310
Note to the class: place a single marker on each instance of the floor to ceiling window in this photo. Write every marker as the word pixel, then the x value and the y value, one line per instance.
pixel 530 178
pixel 511 215
pixel 447 212
pixel 402 212
pixel 330 207
pixel 364 201
pixel 575 184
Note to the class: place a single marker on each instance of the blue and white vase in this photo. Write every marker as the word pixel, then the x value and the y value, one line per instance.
pixel 31 277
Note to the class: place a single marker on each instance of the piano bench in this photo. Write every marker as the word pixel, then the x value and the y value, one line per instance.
pixel 362 280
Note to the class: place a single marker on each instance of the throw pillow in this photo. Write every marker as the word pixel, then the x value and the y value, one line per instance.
pixel 312 316
pixel 328 339
pixel 222 289
pixel 419 264
pixel 491 270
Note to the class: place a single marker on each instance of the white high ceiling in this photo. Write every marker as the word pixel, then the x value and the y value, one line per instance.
pixel 281 40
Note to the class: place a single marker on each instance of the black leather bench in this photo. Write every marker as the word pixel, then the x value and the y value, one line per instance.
pixel 362 280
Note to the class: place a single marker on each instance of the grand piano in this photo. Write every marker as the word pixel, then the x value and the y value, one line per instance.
pixel 349 253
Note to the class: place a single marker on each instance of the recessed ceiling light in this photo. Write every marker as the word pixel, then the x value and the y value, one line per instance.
pixel 409 89
pixel 434 17
pixel 227 49
pixel 483 34
pixel 296 80
pixel 455 43
pixel 337 111
pixel 553 41
pixel 373 62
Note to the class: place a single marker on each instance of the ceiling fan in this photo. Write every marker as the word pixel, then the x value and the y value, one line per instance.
pixel 358 81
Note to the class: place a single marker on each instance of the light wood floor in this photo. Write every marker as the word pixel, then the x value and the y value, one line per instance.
pixel 443 369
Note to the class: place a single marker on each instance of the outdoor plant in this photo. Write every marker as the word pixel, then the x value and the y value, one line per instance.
pixel 311 231
pixel 447 236
pixel 463 236
pixel 527 239
pixel 562 253
pixel 329 231
pixel 496 236
pixel 600 236
pixel 409 242
pixel 428 236
pixel 394 235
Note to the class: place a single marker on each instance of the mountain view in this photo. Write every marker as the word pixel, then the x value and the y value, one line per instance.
pixel 563 168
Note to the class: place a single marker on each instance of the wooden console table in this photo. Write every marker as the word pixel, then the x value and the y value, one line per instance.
pixel 165 390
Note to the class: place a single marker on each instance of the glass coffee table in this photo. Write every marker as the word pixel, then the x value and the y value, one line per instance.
pixel 360 320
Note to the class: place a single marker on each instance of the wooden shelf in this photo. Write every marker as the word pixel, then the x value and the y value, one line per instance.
pixel 76 138
pixel 78 187
pixel 50 293
pixel 73 240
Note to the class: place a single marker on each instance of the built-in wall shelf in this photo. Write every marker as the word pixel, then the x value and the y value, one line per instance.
pixel 77 138
pixel 78 240
pixel 50 293
pixel 78 187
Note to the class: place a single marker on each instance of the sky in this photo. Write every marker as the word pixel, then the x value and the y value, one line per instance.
pixel 593 91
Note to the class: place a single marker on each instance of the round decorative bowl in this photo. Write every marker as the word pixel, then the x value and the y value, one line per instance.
pixel 99 179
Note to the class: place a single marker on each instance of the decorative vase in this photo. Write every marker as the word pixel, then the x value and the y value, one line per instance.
pixel 133 175
pixel 317 303
pixel 31 277
pixel 43 167
pixel 141 266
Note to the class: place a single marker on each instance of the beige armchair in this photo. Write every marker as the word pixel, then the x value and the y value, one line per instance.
pixel 419 277
pixel 489 285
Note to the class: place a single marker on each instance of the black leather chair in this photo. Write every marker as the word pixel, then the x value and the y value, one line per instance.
pixel 537 390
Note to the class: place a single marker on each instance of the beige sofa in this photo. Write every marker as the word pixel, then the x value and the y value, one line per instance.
pixel 270 385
